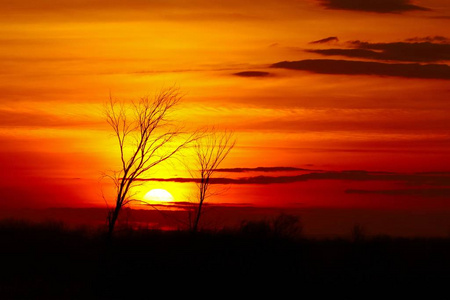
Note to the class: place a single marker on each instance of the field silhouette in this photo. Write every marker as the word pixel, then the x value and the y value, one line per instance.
pixel 50 261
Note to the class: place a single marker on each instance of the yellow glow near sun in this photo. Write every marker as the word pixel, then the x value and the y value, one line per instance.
pixel 159 195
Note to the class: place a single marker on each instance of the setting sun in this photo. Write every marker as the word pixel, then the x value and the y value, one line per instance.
pixel 160 195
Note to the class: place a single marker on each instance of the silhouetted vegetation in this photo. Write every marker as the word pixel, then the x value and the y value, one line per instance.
pixel 283 226
pixel 49 261
pixel 146 137
pixel 210 151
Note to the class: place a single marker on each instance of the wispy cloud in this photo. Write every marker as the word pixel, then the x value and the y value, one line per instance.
pixel 411 122
pixel 440 17
pixel 421 192
pixel 136 10
pixel 261 169
pixel 39 119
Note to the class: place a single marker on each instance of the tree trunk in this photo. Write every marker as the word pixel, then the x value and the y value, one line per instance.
pixel 112 218
pixel 197 218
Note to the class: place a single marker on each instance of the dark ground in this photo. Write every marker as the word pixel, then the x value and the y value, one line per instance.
pixel 48 261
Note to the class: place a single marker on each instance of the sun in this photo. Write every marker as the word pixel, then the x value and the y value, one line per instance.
pixel 159 195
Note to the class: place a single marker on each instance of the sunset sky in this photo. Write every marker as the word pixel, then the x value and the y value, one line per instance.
pixel 351 95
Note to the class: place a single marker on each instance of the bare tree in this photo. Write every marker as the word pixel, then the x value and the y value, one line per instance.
pixel 210 151
pixel 146 138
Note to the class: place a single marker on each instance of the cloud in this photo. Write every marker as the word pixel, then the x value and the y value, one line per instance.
pixel 252 74
pixel 435 173
pixel 134 10
pixel 436 38
pixel 417 179
pixel 440 17
pixel 326 40
pixel 426 49
pixel 411 122
pixel 405 192
pixel 378 6
pixel 346 67
pixel 35 119
pixel 261 169
pixel 359 53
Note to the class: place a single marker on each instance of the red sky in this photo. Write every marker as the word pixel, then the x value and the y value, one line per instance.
pixel 328 86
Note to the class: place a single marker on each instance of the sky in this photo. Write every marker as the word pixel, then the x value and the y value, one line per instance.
pixel 350 96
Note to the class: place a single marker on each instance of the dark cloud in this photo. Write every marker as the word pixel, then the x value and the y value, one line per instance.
pixel 359 53
pixel 326 40
pixel 418 179
pixel 436 38
pixel 261 169
pixel 378 6
pixel 346 67
pixel 435 173
pixel 405 192
pixel 428 49
pixel 252 74
pixel 424 51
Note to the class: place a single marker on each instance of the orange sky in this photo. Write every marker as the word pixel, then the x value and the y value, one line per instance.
pixel 60 60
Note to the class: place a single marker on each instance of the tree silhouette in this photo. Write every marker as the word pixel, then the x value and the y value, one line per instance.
pixel 146 138
pixel 210 151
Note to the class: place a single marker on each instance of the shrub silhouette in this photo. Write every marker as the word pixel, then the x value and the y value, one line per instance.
pixel 358 233
pixel 282 226
pixel 288 226
pixel 259 229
